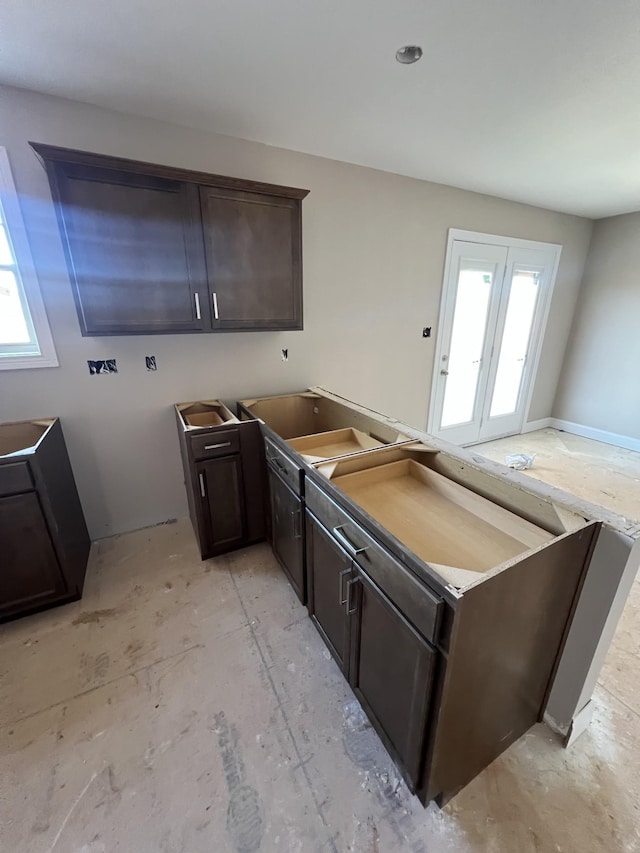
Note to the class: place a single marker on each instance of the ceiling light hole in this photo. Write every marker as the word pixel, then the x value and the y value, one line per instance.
pixel 409 54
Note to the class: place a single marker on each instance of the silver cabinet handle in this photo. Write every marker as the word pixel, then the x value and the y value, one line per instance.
pixel 342 598
pixel 444 373
pixel 350 585
pixel 197 301
pixel 214 297
pixel 297 529
pixel 202 489
pixel 349 547
pixel 216 446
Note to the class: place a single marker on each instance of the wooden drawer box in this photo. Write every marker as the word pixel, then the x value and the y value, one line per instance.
pixel 421 607
pixel 318 428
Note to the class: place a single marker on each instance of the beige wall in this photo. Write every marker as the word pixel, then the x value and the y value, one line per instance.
pixel 600 386
pixel 374 248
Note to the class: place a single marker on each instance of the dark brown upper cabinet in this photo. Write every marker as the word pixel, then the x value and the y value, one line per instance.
pixel 253 247
pixel 153 249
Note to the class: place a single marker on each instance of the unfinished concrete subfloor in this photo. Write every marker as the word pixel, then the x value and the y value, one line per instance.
pixel 602 473
pixel 186 706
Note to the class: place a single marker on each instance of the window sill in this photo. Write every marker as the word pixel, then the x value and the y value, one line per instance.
pixel 23 362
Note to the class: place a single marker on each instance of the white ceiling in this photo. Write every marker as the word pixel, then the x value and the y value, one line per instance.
pixel 532 100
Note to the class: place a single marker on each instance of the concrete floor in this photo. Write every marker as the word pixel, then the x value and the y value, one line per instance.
pixel 189 706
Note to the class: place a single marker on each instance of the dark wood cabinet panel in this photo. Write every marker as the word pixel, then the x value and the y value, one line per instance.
pixel 44 542
pixel 29 570
pixel 135 250
pixel 329 570
pixel 222 495
pixel 225 478
pixel 287 526
pixel 254 259
pixel 392 671
pixel 155 249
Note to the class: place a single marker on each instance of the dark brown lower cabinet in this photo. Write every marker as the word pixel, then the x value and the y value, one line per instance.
pixel 287 526
pixel 328 571
pixel 44 543
pixel 30 572
pixel 222 497
pixel 223 462
pixel 387 663
pixel 391 673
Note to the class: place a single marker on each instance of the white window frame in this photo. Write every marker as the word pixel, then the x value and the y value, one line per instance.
pixel 26 276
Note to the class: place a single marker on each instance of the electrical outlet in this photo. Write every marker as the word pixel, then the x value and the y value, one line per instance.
pixel 97 368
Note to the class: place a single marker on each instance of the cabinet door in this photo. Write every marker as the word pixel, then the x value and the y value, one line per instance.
pixel 29 570
pixel 254 259
pixel 222 496
pixel 134 248
pixel 286 533
pixel 391 674
pixel 328 571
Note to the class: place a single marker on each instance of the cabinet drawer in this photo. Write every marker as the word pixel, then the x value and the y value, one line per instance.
pixel 15 478
pixel 214 444
pixel 286 467
pixel 421 607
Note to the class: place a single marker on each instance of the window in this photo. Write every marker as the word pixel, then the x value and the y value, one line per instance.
pixel 25 338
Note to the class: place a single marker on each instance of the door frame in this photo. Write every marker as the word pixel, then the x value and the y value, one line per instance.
pixel 447 294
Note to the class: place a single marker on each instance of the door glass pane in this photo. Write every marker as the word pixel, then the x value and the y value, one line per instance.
pixel 523 296
pixel 467 341
pixel 13 326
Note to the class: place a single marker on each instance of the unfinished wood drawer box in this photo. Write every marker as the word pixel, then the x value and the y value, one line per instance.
pixel 318 428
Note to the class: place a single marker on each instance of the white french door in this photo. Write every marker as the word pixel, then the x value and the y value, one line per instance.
pixel 495 301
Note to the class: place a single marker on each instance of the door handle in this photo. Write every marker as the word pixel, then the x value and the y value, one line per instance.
pixel 214 299
pixel 342 598
pixel 297 527
pixel 349 547
pixel 350 585
pixel 202 488
pixel 196 298
pixel 444 372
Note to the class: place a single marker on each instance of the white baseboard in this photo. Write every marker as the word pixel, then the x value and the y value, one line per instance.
pixel 625 441
pixel 532 426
